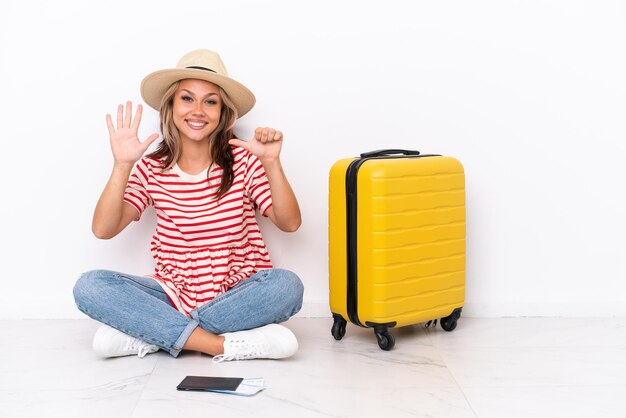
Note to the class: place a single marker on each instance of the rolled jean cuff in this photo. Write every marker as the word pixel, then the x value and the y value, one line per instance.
pixel 184 336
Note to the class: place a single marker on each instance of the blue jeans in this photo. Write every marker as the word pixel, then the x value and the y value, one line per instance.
pixel 138 306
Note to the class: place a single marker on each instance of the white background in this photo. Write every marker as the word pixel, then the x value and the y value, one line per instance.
pixel 529 95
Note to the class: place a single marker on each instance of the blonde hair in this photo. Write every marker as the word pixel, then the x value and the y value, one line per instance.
pixel 169 148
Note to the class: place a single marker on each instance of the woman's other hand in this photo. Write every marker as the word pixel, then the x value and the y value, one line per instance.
pixel 265 144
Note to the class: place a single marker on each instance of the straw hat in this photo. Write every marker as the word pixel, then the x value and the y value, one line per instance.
pixel 200 64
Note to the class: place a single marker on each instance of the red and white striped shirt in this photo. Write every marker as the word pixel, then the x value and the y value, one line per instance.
pixel 203 246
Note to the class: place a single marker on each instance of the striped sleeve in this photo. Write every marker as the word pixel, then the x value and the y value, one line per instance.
pixel 136 193
pixel 257 185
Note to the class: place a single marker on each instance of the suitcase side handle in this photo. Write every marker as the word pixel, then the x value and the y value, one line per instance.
pixel 381 152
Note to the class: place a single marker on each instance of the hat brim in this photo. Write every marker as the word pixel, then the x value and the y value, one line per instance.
pixel 154 86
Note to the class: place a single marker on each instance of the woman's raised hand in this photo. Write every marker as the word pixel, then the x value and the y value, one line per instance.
pixel 125 144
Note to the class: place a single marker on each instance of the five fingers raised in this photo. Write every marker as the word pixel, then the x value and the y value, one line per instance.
pixel 125 118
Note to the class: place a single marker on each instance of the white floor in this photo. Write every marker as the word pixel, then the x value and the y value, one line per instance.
pixel 512 367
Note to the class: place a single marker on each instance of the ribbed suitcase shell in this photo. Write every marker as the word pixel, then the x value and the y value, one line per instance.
pixel 410 239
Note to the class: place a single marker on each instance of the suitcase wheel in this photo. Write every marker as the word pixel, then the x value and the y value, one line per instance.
pixel 385 339
pixel 449 322
pixel 339 327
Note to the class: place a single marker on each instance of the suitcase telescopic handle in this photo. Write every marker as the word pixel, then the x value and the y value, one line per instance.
pixel 382 152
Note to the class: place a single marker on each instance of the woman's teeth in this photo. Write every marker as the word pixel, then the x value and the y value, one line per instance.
pixel 196 124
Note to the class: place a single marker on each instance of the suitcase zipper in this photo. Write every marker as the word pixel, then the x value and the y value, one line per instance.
pixel 351 173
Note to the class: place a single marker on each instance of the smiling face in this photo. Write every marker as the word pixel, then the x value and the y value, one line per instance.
pixel 196 109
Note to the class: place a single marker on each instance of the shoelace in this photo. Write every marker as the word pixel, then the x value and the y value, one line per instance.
pixel 142 347
pixel 240 350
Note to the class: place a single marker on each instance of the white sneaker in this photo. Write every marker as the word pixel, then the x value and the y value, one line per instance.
pixel 109 342
pixel 271 341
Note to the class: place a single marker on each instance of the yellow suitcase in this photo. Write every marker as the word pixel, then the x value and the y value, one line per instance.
pixel 396 241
